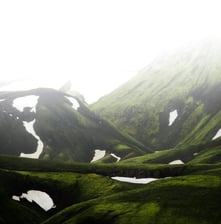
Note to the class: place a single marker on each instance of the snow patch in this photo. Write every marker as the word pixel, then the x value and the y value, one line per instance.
pixel 116 157
pixel 27 101
pixel 29 126
pixel 39 197
pixel 217 135
pixel 74 102
pixel 16 198
pixel 173 117
pixel 134 180
pixel 1 100
pixel 98 154
pixel 176 162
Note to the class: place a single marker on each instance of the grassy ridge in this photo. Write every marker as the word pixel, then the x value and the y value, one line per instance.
pixel 187 81
pixel 192 199
pixel 67 134
pixel 83 196
pixel 117 169
pixel 206 152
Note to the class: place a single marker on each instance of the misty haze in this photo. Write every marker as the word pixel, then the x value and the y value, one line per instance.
pixel 110 112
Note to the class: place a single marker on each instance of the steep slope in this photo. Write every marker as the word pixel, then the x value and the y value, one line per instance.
pixel 59 126
pixel 175 100
pixel 189 199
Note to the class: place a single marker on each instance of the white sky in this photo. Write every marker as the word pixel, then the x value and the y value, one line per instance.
pixel 98 44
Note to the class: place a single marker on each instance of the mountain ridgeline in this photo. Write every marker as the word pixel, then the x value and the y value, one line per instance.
pixel 67 133
pixel 185 82
pixel 164 125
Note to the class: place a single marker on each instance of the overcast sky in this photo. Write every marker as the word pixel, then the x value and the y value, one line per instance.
pixel 98 44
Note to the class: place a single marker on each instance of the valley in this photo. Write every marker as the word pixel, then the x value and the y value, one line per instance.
pixel 149 152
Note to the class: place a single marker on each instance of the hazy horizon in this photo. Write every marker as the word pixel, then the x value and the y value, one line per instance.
pixel 98 45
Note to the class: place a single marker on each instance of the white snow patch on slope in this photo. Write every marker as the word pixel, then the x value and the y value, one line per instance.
pixel 217 135
pixel 40 197
pixel 176 162
pixel 98 154
pixel 74 102
pixel 134 180
pixel 116 157
pixel 16 198
pixel 1 100
pixel 27 101
pixel 29 126
pixel 173 117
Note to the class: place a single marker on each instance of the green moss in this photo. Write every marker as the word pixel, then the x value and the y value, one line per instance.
pixel 176 200
pixel 188 81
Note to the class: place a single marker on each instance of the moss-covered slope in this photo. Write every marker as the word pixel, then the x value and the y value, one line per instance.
pixel 67 133
pixel 190 199
pixel 187 81
pixel 82 195
pixel 206 153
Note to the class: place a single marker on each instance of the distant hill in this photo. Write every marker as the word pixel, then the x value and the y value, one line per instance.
pixel 174 101
pixel 65 126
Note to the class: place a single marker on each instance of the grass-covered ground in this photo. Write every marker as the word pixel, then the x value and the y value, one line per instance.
pixel 189 199
pixel 85 193
pixel 204 153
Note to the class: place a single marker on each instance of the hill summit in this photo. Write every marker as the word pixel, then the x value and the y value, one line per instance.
pixel 174 100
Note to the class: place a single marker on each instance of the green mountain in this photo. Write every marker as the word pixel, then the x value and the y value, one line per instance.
pixel 67 133
pixel 184 83
pixel 173 107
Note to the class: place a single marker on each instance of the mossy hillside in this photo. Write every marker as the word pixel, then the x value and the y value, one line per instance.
pixel 206 152
pixel 188 199
pixel 74 135
pixel 87 196
pixel 187 81
pixel 12 211
pixel 67 134
pixel 64 188
pixel 117 169
pixel 13 134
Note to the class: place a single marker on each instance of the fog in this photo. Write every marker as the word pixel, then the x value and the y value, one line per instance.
pixel 98 45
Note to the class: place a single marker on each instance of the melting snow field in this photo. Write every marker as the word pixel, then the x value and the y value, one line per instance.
pixel 27 101
pixel 173 117
pixel 74 102
pixel 116 157
pixel 176 162
pixel 217 135
pixel 98 154
pixel 39 197
pixel 134 180
pixel 29 126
